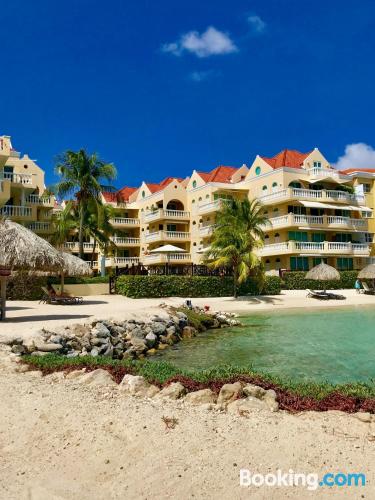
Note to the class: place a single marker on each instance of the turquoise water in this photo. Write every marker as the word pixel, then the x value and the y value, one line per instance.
pixel 331 345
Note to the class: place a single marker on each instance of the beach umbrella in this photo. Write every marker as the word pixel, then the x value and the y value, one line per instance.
pixel 21 249
pixel 167 249
pixel 367 273
pixel 73 266
pixel 323 272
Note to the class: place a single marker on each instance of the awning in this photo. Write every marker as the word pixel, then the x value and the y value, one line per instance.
pixel 317 204
pixel 359 209
pixel 337 180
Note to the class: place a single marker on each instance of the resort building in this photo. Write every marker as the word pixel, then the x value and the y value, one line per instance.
pixel 23 195
pixel 315 212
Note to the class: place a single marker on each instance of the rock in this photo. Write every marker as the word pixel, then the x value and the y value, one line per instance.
pixel 56 339
pixel 138 386
pixel 98 341
pixel 204 396
pixel 151 352
pixel 246 405
pixel 117 330
pixel 137 333
pixel 100 330
pixel 171 330
pixel 39 353
pixel 18 349
pixel 158 328
pixel 363 416
pixel 94 352
pixel 161 347
pixel 254 391
pixel 229 393
pixel 108 353
pixel 268 397
pixel 48 347
pixel 173 391
pixel 188 332
pixel 138 345
pixel 97 377
pixel 75 374
pixel 151 339
pixel 181 315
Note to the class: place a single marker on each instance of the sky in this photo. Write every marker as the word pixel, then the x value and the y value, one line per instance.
pixel 162 87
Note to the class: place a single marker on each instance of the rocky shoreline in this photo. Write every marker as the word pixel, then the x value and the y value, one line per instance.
pixel 131 338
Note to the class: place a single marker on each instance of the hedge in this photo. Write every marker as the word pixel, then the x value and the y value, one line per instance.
pixel 295 280
pixel 190 286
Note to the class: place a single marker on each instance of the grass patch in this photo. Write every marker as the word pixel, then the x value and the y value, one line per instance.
pixel 292 396
pixel 199 321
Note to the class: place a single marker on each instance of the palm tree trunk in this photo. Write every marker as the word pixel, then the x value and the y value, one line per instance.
pixel 80 233
pixel 93 252
pixel 235 277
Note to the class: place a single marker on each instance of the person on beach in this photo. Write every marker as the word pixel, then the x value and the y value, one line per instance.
pixel 358 285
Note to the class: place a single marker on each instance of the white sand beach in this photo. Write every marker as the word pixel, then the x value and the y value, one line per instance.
pixel 25 318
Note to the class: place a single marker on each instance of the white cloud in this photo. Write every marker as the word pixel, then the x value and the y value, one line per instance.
pixel 256 23
pixel 359 155
pixel 200 76
pixel 212 42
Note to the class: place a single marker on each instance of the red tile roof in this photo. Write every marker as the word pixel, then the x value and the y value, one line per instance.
pixel 126 191
pixel 351 170
pixel 120 195
pixel 154 188
pixel 218 174
pixel 287 158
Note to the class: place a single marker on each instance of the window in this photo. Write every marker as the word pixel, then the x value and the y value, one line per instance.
pixel 264 188
pixel 200 198
pixel 295 184
pixel 317 164
pixel 194 184
pixel 296 210
pixel 344 264
pixel 366 188
pixel 297 236
pixel 207 196
pixel 171 227
pixel 318 237
pixel 258 170
pixel 299 263
pixel 367 215
pixel 143 194
pixel 274 186
pixel 369 237
pixel 343 237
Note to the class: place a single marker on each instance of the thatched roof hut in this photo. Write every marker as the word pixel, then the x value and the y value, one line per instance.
pixel 367 273
pixel 74 266
pixel 323 272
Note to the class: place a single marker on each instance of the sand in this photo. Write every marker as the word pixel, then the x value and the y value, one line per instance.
pixel 62 440
pixel 25 318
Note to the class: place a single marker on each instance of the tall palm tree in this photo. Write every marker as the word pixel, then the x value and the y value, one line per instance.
pixel 64 224
pixel 81 176
pixel 238 233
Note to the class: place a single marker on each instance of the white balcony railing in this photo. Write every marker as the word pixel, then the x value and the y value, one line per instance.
pixel 121 221
pixel 125 261
pixel 312 194
pixel 165 214
pixel 317 220
pixel 15 211
pixel 74 246
pixel 123 241
pixel 206 230
pixel 323 172
pixel 212 206
pixel 24 179
pixel 157 258
pixel 39 226
pixel 35 199
pixel 166 235
pixel 314 248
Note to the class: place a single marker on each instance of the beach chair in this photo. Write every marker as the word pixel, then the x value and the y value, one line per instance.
pixel 50 298
pixel 317 295
pixel 76 299
pixel 367 289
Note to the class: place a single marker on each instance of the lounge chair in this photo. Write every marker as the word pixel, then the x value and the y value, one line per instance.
pixel 50 298
pixel 317 295
pixel 367 289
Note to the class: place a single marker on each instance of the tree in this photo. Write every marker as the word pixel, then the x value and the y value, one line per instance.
pixel 64 225
pixel 238 233
pixel 81 176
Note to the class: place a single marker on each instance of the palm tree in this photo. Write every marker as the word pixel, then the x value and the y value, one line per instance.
pixel 64 224
pixel 238 233
pixel 81 176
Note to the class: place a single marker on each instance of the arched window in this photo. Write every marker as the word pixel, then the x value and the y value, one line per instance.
pixel 264 189
pixel 200 198
pixel 194 184
pixel 295 184
pixel 267 237
pixel 258 170
pixel 207 196
pixel 274 186
pixel 143 194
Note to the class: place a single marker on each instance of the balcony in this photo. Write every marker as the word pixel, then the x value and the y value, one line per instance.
pixel 311 195
pixel 172 258
pixel 40 227
pixel 324 173
pixel 319 222
pixel 16 212
pixel 73 246
pixel 167 236
pixel 212 206
pixel 43 201
pixel 162 214
pixel 205 231
pixel 125 242
pixel 122 261
pixel 312 248
pixel 20 179
pixel 123 222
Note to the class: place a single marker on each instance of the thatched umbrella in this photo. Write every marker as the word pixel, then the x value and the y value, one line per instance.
pixel 73 266
pixel 368 273
pixel 20 248
pixel 323 272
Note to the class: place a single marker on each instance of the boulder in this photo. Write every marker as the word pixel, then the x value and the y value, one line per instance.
pixel 151 339
pixel 173 391
pixel 229 393
pixel 75 374
pixel 97 377
pixel 269 398
pixel 100 330
pixel 18 349
pixel 204 396
pixel 246 405
pixel 44 347
pixel 254 391
pixel 138 386
pixel 137 333
pixel 158 328
pixel 188 332
pixel 138 345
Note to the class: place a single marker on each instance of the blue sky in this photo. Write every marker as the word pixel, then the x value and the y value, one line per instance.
pixel 165 87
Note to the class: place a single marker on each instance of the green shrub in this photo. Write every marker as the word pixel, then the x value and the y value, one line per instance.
pixel 84 280
pixel 269 285
pixel 295 280
pixel 174 286
pixel 25 286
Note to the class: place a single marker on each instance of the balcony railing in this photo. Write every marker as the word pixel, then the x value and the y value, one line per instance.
pixel 322 221
pixel 15 211
pixel 24 179
pixel 35 199
pixel 167 235
pixel 123 241
pixel 157 258
pixel 212 206
pixel 205 231
pixel 120 221
pixel 314 248
pixel 73 246
pixel 39 227
pixel 165 214
pixel 312 194
pixel 124 261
